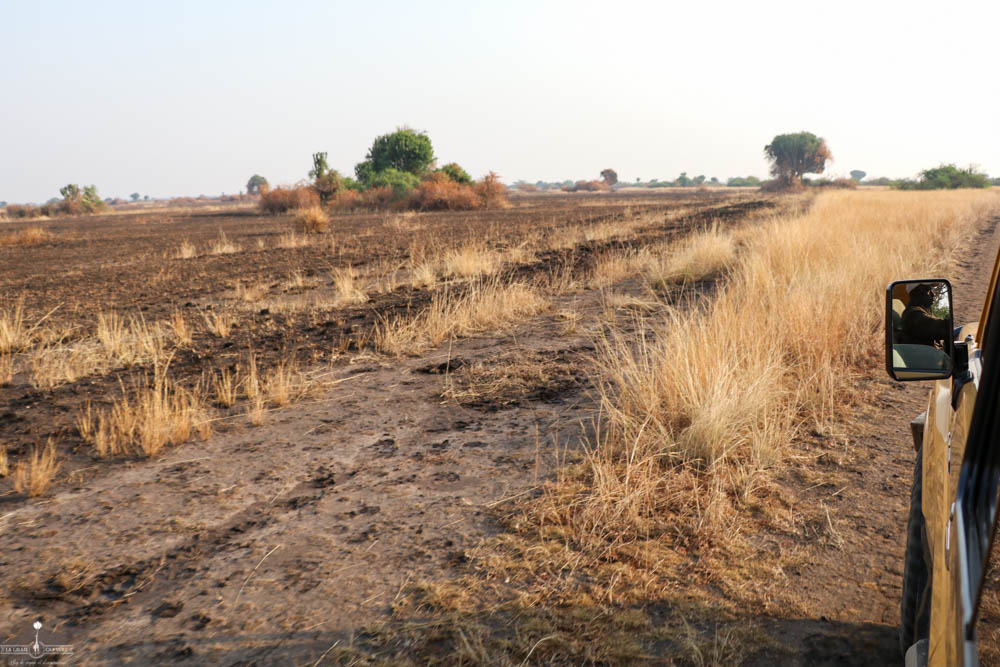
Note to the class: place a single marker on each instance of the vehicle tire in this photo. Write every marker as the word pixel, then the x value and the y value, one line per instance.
pixel 915 608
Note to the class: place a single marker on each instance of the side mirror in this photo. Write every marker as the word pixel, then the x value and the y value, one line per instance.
pixel 918 329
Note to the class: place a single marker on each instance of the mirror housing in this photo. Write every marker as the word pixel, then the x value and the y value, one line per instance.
pixel 919 321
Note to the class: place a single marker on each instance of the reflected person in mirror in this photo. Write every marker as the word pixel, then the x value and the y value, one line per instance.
pixel 919 325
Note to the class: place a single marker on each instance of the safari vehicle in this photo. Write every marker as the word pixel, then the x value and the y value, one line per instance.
pixel 953 504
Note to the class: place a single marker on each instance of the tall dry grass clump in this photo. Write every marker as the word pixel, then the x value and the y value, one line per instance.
pixel 15 335
pixel 470 260
pixel 150 415
pixel 34 476
pixel 486 305
pixel 702 256
pixel 700 410
pixel 311 220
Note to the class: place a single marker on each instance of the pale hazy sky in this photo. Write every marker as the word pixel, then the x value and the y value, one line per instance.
pixel 185 98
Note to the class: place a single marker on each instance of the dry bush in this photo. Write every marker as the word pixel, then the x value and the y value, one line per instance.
pixel 437 192
pixel 187 250
pixel 491 191
pixel 23 211
pixel 34 476
pixel 282 200
pixel 222 246
pixel 218 323
pixel 486 305
pixel 589 186
pixel 149 416
pixel 378 198
pixel 311 220
pixel 26 236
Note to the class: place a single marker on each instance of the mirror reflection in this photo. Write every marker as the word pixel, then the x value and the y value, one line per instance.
pixel 921 329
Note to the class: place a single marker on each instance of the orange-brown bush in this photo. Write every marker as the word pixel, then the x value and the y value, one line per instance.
pixel 588 186
pixel 282 200
pixel 439 193
pixel 491 191
pixel 346 200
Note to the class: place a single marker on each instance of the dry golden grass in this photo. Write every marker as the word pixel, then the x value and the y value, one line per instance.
pixel 292 240
pixel 225 387
pixel 423 275
pixel 222 246
pixel 129 343
pixel 149 416
pixel 251 293
pixel 312 220
pixel 470 261
pixel 294 281
pixel 219 323
pixel 486 305
pixel 187 250
pixel 4 466
pixel 345 284
pixel 15 335
pixel 55 365
pixel 6 368
pixel 701 256
pixel 180 329
pixel 34 476
pixel 26 236
pixel 722 389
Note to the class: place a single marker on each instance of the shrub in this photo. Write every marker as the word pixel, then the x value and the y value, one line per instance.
pixel 282 200
pixel 377 197
pixel 400 182
pixel 23 211
pixel 589 186
pixel 946 177
pixel 491 191
pixel 740 182
pixel 312 220
pixel 837 183
pixel 440 193
pixel 454 172
pixel 347 199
